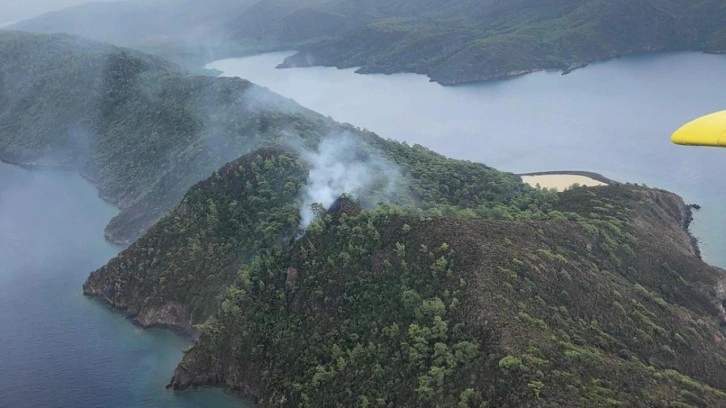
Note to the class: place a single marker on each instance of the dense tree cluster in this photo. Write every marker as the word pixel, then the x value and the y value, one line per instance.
pixel 385 308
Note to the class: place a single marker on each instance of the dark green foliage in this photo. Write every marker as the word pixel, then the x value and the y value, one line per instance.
pixel 347 328
pixel 190 257
pixel 385 309
pixel 47 98
pixel 141 129
pixel 446 181
pixel 251 207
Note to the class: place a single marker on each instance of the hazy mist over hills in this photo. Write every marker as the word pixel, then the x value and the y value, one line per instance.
pixel 189 32
pixel 13 10
pixel 453 42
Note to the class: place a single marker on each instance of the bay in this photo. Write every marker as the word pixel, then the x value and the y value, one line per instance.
pixel 613 118
pixel 58 348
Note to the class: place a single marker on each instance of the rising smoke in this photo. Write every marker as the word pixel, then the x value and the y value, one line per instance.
pixel 343 165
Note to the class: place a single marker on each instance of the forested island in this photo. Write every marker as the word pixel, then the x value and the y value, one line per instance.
pixel 318 264
pixel 452 42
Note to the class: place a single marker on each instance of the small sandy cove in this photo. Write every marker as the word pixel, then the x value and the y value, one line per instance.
pixel 561 181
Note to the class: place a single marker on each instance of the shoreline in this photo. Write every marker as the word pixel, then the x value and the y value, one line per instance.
pixel 688 220
pixel 564 179
pixel 183 332
pixel 65 167
pixel 190 333
pixel 35 166
pixel 589 174
pixel 688 216
pixel 481 79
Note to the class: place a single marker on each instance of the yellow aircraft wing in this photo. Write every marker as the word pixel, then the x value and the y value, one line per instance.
pixel 709 130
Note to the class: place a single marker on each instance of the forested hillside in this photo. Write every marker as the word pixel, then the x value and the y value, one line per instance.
pixel 140 128
pixel 462 41
pixel 592 297
pixel 602 303
pixel 144 131
pixel 174 275
pixel 453 41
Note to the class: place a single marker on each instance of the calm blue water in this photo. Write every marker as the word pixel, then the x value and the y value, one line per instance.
pixel 58 348
pixel 614 118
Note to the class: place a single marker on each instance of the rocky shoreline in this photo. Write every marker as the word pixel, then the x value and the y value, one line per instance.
pixel 306 59
pixel 166 316
pixel 171 315
pixel 67 167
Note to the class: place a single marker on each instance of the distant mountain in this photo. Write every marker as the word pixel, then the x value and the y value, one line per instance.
pixel 453 41
pixel 324 266
pixel 460 41
pixel 286 22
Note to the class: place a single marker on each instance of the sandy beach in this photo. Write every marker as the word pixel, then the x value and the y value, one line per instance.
pixel 560 181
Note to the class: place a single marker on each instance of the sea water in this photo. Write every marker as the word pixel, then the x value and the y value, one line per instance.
pixel 614 118
pixel 57 347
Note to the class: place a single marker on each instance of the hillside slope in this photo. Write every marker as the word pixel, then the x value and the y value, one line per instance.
pixel 604 304
pixel 140 128
pixel 589 297
pixel 461 41
pixel 176 273
pixel 453 41
pixel 144 131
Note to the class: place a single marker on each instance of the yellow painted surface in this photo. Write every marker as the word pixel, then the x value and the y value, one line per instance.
pixel 709 130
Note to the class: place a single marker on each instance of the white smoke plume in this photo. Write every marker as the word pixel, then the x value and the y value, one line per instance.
pixel 343 165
